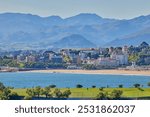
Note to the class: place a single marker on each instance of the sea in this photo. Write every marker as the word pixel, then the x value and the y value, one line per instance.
pixel 64 80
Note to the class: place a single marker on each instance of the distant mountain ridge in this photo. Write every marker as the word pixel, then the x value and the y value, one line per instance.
pixel 132 39
pixel 74 41
pixel 27 31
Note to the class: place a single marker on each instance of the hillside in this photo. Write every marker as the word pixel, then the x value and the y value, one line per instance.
pixel 27 31
pixel 74 41
pixel 132 39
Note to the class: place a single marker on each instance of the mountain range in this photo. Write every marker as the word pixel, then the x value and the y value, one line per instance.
pixel 27 31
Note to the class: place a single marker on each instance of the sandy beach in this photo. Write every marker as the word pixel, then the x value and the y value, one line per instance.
pixel 111 72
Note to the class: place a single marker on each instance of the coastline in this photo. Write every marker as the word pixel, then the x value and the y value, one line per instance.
pixel 104 72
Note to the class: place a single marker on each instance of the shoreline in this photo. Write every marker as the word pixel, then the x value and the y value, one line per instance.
pixel 101 72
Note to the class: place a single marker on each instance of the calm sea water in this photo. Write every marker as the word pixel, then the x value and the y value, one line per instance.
pixel 26 80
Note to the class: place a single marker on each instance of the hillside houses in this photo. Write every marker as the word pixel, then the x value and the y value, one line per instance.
pixel 112 57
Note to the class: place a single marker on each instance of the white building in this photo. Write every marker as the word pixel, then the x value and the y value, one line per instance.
pixel 122 58
pixel 30 59
pixel 107 61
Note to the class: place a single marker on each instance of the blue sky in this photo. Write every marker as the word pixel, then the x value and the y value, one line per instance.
pixel 120 9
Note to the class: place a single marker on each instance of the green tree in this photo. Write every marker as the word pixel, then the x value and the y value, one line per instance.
pixel 136 85
pixel 52 86
pixel 46 91
pixel 58 93
pixel 67 59
pixel 102 96
pixel 89 67
pixel 5 95
pixel 148 84
pixel 133 58
pixel 66 93
pixel 101 89
pixel 116 94
pixel 38 91
pixel 93 86
pixel 79 86
pixel 30 92
pixel 120 86
pixel 2 87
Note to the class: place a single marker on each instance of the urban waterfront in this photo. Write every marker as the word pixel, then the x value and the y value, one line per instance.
pixel 62 80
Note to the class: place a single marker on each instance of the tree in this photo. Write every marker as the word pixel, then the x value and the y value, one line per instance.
pixel 116 94
pixel 66 93
pixel 136 85
pixel 120 86
pixel 67 59
pixel 58 93
pixel 5 95
pixel 79 86
pixel 133 58
pixel 148 84
pixel 102 96
pixel 52 86
pixel 38 91
pixel 101 89
pixel 93 86
pixel 30 92
pixel 89 67
pixel 2 87
pixel 46 91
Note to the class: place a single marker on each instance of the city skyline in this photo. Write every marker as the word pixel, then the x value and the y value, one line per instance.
pixel 117 9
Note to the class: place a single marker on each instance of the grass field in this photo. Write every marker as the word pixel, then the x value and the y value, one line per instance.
pixel 92 92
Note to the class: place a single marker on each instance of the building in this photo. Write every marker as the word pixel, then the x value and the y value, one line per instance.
pixel 30 59
pixel 75 59
pixel 108 62
pixel 56 58
pixel 125 49
pixel 122 58
pixel 20 58
pixel 92 61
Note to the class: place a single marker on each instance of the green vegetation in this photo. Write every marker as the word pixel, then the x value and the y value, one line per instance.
pixel 133 58
pixel 7 93
pixel 137 85
pixel 93 92
pixel 89 67
pixel 148 84
pixel 8 61
pixel 116 94
pixel 79 86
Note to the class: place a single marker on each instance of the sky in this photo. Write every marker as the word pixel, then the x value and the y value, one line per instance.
pixel 118 9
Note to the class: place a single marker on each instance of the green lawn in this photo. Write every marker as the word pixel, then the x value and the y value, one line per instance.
pixel 92 92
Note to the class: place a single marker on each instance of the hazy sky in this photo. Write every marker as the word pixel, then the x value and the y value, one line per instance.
pixel 106 8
